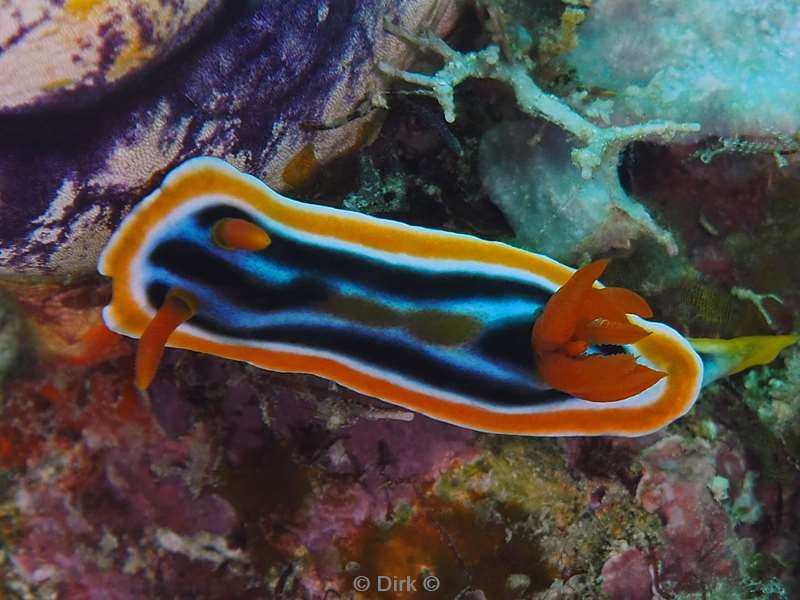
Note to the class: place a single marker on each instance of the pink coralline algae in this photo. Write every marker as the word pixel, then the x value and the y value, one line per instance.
pixel 215 481
pixel 629 576
pixel 100 492
pixel 394 463
pixel 87 522
pixel 697 533
pixel 714 525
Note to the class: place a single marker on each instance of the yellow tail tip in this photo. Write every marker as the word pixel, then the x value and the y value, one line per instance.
pixel 726 357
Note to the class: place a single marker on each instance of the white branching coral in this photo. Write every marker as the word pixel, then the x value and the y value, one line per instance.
pixel 561 194
pixel 598 146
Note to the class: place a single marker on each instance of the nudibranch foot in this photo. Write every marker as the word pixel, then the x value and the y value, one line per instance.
pixel 579 315
pixel 178 307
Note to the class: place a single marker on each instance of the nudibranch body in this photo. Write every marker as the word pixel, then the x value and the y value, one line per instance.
pixel 438 322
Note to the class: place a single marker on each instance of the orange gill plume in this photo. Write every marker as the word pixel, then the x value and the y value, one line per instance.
pixel 579 315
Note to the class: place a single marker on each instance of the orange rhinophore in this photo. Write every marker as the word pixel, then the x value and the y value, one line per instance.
pixel 173 312
pixel 238 234
pixel 579 315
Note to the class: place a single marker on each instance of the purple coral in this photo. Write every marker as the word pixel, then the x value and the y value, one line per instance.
pixel 267 80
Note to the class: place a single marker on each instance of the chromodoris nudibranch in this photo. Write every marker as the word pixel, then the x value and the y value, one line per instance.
pixel 461 329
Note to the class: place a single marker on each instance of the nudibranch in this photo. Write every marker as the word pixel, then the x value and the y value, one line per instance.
pixel 469 331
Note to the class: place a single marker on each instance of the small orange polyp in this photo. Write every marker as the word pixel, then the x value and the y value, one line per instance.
pixel 238 234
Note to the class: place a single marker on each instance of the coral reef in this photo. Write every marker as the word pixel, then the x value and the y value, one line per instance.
pixel 228 481
pixel 264 87
pixel 598 212
pixel 697 530
pixel 629 575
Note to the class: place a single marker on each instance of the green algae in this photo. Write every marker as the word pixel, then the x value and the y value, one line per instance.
pixel 745 508
pixel 773 394
pixel 10 337
pixel 707 309
pixel 526 484
pixel 10 525
pixel 378 194
pixel 753 584
pixel 746 588
pixel 462 547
